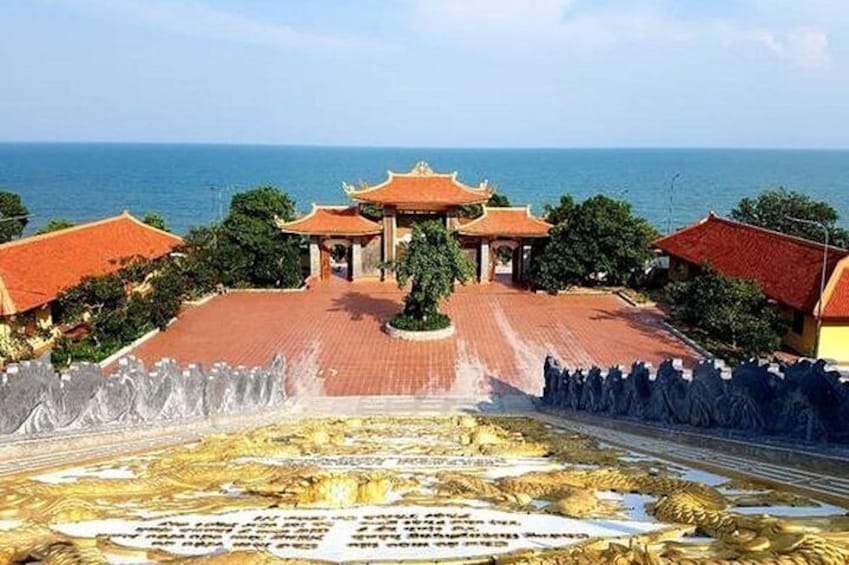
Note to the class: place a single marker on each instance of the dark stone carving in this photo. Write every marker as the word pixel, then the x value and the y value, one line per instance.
pixel 806 400
pixel 35 399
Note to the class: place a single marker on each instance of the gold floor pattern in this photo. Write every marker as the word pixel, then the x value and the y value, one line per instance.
pixel 393 462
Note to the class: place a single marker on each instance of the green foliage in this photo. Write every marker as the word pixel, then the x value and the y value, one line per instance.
pixel 599 241
pixel 11 206
pixel 117 314
pixel 731 310
pixel 55 224
pixel 14 347
pixel 156 220
pixel 434 262
pixel 771 209
pixel 497 200
pixel 65 352
pixel 92 295
pixel 371 211
pixel 269 257
pixel 561 212
pixel 411 324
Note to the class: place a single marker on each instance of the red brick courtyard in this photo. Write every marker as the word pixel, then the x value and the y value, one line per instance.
pixel 332 339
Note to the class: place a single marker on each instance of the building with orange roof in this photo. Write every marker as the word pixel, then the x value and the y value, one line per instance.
pixel 788 269
pixel 401 201
pixel 35 270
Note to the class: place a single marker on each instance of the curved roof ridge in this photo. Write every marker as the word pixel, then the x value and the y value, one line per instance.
pixel 534 227
pixel 713 217
pixel 421 170
pixel 124 215
pixel 345 217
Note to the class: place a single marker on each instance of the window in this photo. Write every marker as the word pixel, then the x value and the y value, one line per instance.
pixel 798 324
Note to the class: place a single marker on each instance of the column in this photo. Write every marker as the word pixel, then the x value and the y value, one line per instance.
pixel 389 225
pixel 525 257
pixel 315 257
pixel 484 263
pixel 356 259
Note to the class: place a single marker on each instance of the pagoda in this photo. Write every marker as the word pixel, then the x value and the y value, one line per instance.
pixel 401 201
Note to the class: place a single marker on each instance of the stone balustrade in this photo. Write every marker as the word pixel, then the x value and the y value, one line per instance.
pixel 806 400
pixel 34 398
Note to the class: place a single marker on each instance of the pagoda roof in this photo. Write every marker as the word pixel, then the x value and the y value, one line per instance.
pixel 836 296
pixel 331 220
pixel 35 270
pixel 421 189
pixel 787 268
pixel 508 222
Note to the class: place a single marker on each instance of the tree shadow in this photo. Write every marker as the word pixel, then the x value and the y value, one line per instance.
pixel 505 398
pixel 360 305
pixel 650 326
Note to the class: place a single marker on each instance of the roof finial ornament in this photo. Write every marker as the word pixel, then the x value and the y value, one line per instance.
pixel 421 169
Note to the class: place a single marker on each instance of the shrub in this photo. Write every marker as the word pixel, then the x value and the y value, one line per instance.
pixel 431 323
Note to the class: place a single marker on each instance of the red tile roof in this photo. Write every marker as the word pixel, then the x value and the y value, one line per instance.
pixel 34 270
pixel 787 268
pixel 837 300
pixel 507 222
pixel 332 220
pixel 421 189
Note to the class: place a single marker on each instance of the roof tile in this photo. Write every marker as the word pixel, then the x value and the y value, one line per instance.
pixel 787 268
pixel 34 270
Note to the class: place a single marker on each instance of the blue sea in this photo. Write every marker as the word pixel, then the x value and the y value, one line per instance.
pixel 189 183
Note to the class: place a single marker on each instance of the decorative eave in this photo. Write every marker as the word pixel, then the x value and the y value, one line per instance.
pixel 421 188
pixel 506 222
pixel 331 220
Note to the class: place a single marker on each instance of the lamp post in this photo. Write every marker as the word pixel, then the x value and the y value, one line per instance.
pixel 669 211
pixel 822 275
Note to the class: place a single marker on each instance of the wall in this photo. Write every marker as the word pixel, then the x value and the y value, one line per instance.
pixel 834 342
pixel 35 399
pixel 372 252
pixel 805 342
pixel 801 401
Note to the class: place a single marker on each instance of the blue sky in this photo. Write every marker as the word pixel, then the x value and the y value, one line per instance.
pixel 455 73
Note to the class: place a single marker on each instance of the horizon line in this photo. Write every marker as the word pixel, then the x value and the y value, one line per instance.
pixel 434 147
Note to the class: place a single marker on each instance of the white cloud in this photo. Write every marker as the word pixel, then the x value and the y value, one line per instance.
pixel 564 23
pixel 198 19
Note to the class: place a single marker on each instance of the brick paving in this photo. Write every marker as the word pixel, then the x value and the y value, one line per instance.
pixel 332 339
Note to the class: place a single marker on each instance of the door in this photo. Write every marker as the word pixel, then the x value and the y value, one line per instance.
pixel 325 263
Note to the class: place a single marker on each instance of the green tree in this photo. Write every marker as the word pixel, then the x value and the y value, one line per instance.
pixel 560 212
pixel 13 216
pixel 273 258
pixel 496 200
pixel 433 262
pixel 771 210
pixel 91 295
pixel 55 224
pixel 731 310
pixel 156 220
pixel 599 241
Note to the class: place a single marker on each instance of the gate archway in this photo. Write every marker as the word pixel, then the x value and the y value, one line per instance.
pixel 326 248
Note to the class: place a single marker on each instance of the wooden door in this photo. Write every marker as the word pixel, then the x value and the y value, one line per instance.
pixel 325 263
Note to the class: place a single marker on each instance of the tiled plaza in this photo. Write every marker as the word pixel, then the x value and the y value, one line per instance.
pixel 332 339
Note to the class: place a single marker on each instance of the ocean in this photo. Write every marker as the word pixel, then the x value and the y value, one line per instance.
pixel 189 184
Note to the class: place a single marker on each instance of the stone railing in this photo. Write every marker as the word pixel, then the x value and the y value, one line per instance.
pixel 804 401
pixel 36 399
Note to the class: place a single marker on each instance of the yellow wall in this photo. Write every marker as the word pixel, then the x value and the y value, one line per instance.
pixel 834 342
pixel 30 323
pixel 805 342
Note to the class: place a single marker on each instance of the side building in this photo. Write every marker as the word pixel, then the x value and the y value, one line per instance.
pixel 401 201
pixel 35 270
pixel 788 269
